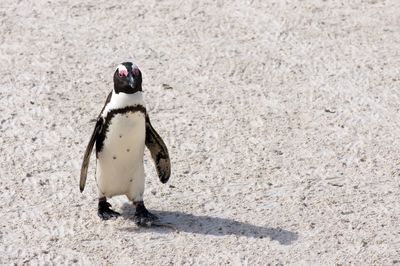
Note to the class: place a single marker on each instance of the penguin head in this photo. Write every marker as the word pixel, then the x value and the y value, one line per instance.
pixel 127 78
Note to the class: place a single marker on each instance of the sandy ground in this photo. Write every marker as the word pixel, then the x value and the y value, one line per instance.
pixel 282 120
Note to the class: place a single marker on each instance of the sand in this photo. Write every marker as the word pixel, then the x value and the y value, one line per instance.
pixel 281 117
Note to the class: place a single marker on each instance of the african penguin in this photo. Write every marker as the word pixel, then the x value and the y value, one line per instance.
pixel 121 132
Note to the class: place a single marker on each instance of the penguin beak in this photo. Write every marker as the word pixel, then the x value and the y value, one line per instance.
pixel 131 82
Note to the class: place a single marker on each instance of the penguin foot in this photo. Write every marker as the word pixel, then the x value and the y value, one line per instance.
pixel 104 211
pixel 142 216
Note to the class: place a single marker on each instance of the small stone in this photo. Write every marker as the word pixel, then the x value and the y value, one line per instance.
pixel 166 87
pixel 43 182
pixel 114 157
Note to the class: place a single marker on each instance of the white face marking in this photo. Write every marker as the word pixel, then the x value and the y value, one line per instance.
pixel 134 66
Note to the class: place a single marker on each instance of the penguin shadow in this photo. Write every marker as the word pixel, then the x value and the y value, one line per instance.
pixel 207 225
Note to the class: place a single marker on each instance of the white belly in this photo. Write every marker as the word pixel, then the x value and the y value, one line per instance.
pixel 120 168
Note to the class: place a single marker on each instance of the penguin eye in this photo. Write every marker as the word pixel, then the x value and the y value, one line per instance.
pixel 122 72
pixel 135 71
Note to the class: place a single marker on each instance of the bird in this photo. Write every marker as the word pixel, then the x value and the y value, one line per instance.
pixel 122 131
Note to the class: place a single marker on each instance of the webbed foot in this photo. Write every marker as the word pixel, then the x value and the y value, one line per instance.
pixel 142 216
pixel 104 211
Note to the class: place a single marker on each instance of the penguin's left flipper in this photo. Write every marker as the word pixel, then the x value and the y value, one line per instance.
pixel 158 151
pixel 89 148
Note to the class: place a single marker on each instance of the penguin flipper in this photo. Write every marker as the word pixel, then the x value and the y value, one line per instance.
pixel 86 157
pixel 158 151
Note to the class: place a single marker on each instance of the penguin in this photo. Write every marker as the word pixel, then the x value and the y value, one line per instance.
pixel 122 131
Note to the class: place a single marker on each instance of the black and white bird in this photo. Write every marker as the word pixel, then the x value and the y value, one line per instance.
pixel 121 132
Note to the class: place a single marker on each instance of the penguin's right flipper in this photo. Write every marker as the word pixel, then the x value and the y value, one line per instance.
pixel 97 129
pixel 89 148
